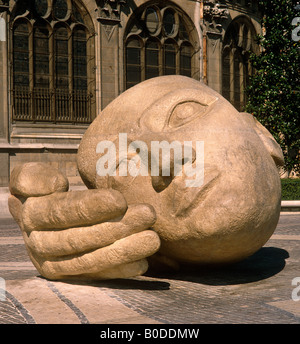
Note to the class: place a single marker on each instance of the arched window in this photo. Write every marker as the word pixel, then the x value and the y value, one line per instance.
pixel 239 42
pixel 21 65
pixel 52 78
pixel 186 53
pixel 158 42
pixel 61 70
pixel 133 58
pixel 170 57
pixel 152 49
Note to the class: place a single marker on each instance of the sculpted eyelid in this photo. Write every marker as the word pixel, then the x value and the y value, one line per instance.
pixel 185 112
pixel 156 121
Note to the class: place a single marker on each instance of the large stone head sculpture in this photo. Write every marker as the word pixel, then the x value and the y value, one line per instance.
pixel 225 203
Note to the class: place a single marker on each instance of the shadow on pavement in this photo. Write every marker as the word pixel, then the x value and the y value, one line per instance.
pixel 134 284
pixel 265 263
pixel 124 284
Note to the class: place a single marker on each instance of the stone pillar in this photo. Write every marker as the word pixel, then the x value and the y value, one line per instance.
pixel 4 155
pixel 109 19
pixel 215 14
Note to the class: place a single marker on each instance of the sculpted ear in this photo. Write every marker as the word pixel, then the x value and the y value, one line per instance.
pixel 177 108
pixel 266 137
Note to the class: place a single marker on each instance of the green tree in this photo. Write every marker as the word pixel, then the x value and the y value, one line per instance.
pixel 274 90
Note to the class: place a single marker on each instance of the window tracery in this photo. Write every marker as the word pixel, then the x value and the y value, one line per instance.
pixel 158 42
pixel 239 43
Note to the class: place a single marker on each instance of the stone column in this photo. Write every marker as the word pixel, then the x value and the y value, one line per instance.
pixel 215 14
pixel 4 92
pixel 109 19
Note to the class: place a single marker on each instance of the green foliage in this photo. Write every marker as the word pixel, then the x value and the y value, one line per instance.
pixel 274 90
pixel 290 189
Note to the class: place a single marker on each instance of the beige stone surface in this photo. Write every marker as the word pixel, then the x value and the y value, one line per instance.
pixel 236 210
pixel 36 179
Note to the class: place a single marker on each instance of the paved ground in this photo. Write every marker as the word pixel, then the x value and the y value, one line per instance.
pixel 255 291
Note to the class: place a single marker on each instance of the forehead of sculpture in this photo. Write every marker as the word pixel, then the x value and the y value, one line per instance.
pixel 152 100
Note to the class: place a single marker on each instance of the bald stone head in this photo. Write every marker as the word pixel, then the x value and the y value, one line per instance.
pixel 224 202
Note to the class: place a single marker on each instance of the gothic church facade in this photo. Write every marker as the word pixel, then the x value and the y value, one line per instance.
pixel 63 61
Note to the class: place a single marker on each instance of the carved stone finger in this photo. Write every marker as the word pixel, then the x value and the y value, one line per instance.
pixel 15 207
pixel 83 239
pixel 132 248
pixel 133 269
pixel 72 209
pixel 36 179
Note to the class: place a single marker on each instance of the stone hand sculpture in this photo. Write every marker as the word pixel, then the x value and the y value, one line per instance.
pixel 83 234
pixel 222 206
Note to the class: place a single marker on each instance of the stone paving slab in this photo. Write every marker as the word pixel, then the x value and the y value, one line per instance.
pixel 255 291
pixel 62 303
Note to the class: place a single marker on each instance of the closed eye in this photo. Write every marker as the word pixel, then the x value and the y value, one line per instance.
pixel 185 112
pixel 177 108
